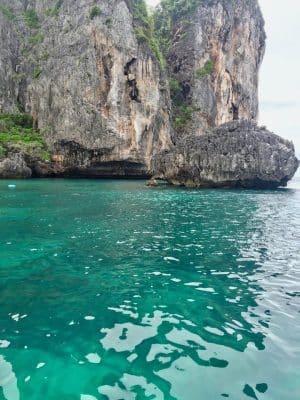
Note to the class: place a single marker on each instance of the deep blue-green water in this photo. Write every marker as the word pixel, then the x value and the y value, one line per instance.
pixel 111 290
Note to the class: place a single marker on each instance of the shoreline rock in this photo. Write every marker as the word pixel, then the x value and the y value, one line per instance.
pixel 14 167
pixel 237 154
pixel 102 95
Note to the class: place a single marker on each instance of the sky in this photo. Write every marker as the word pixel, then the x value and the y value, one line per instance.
pixel 279 90
pixel 279 86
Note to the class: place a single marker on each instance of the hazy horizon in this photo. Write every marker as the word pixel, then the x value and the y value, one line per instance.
pixel 279 84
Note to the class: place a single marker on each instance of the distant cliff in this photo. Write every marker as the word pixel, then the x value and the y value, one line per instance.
pixel 215 56
pixel 110 88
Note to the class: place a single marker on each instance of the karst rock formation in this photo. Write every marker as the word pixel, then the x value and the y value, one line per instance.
pixel 117 92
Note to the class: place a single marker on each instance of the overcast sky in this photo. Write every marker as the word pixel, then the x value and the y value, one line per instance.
pixel 279 90
pixel 280 72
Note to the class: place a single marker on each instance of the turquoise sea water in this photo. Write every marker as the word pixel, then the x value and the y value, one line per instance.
pixel 111 290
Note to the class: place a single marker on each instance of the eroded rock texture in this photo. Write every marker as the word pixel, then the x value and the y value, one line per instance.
pixel 14 166
pixel 96 95
pixel 100 98
pixel 216 58
pixel 236 154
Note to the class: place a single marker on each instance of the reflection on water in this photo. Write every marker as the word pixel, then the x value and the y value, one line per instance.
pixel 122 292
pixel 8 381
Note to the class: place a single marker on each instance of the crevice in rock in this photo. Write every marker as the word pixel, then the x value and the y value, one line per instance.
pixel 128 65
pixel 235 111
pixel 107 67
pixel 134 92
pixel 20 103
pixel 50 96
pixel 131 81
pixel 185 89
pixel 177 68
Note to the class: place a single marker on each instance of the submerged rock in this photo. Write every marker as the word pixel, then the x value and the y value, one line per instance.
pixel 152 183
pixel 236 154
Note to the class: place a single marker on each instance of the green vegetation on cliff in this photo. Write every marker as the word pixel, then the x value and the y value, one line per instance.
pixel 54 11
pixel 7 12
pixel 17 134
pixel 31 19
pixel 167 15
pixel 182 111
pixel 207 69
pixel 178 9
pixel 144 23
pixel 182 115
pixel 95 11
pixel 156 28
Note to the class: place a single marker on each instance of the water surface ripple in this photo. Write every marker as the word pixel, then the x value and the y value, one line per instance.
pixel 110 290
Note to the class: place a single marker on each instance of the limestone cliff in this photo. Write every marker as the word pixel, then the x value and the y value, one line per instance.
pixel 215 57
pixel 96 94
pixel 111 89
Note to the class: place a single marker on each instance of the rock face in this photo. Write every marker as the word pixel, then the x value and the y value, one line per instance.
pixel 215 57
pixel 236 154
pixel 90 76
pixel 96 94
pixel 21 165
pixel 14 166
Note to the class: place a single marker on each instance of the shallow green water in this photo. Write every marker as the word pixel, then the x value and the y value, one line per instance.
pixel 111 290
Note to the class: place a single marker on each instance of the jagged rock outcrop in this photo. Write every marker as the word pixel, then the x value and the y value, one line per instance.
pixel 15 167
pixel 21 164
pixel 90 75
pixel 236 154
